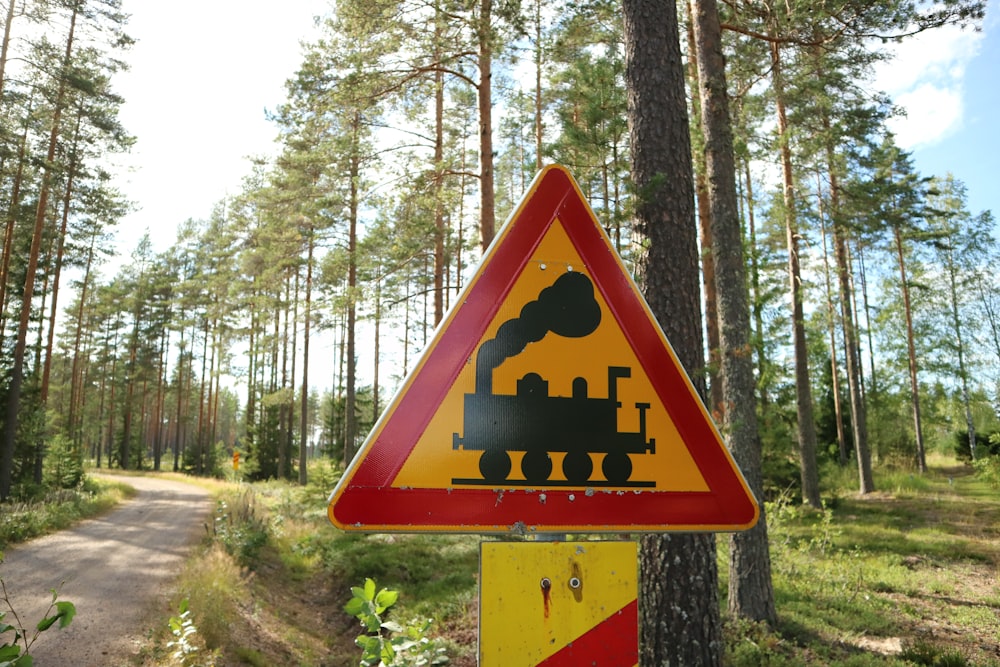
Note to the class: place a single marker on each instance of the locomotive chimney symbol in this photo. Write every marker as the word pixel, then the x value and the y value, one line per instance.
pixel 531 421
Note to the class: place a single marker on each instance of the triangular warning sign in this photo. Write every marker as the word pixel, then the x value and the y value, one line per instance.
pixel 548 400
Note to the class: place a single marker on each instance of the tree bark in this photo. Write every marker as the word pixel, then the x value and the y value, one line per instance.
pixel 911 352
pixel 487 218
pixel 679 593
pixel 803 391
pixel 350 417
pixel 303 418
pixel 17 368
pixel 751 593
pixel 831 319
pixel 859 427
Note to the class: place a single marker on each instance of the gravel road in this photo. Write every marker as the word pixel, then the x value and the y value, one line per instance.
pixel 115 569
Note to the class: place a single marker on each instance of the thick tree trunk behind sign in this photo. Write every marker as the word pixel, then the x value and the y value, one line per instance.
pixel 680 616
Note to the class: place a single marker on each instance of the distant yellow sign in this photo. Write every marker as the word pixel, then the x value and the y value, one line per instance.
pixel 558 603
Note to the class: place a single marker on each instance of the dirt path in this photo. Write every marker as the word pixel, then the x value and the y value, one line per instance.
pixel 115 570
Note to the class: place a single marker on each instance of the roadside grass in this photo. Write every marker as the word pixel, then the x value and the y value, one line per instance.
pixel 27 515
pixel 906 575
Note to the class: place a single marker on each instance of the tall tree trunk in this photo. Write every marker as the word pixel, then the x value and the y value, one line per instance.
pixel 854 384
pixel 716 401
pixel 963 372
pixel 5 46
pixel 304 416
pixel 284 418
pixel 440 265
pixel 755 293
pixel 859 426
pixel 679 593
pixel 751 593
pixel 911 351
pixel 377 343
pixel 76 383
pixel 351 418
pixel 539 53
pixel 487 218
pixel 251 378
pixel 200 430
pixel 60 249
pixel 17 368
pixel 803 391
pixel 831 320
pixel 11 222
pixel 179 422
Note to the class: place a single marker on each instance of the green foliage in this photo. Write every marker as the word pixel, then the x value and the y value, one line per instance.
pixel 63 464
pixel 987 444
pixel 183 629
pixel 750 644
pixel 208 461
pixel 333 412
pixel 988 470
pixel 924 653
pixel 435 570
pixel 10 651
pixel 241 526
pixel 36 512
pixel 387 642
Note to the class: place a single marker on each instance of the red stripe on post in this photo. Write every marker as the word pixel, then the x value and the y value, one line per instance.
pixel 614 642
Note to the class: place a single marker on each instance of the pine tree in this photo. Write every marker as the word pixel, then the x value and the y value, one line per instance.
pixel 680 620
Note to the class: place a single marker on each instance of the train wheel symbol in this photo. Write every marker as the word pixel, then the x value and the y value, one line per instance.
pixel 617 467
pixel 536 465
pixel 494 465
pixel 577 466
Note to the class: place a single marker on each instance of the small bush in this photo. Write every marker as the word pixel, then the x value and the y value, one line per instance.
pixel 987 444
pixel 240 526
pixel 988 470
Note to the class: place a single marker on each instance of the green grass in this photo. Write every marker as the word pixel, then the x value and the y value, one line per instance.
pixel 901 577
pixel 54 510
pixel 870 575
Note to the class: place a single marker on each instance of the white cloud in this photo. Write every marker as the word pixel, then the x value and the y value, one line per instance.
pixel 932 113
pixel 202 75
pixel 926 78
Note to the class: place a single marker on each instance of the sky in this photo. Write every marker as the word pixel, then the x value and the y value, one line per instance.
pixel 203 72
pixel 202 75
pixel 949 82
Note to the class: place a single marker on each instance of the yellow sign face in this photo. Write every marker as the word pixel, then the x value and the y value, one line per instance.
pixel 548 400
pixel 560 362
pixel 558 603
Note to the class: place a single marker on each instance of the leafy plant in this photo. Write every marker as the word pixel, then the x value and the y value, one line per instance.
pixel 10 652
pixel 988 469
pixel 240 528
pixel 183 629
pixel 409 645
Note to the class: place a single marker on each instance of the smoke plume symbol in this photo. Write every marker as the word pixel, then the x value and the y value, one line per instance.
pixel 566 308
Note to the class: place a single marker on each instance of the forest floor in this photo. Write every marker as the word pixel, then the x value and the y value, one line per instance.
pixel 907 575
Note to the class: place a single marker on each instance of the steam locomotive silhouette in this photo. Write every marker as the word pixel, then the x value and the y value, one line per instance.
pixel 537 424
pixel 531 421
